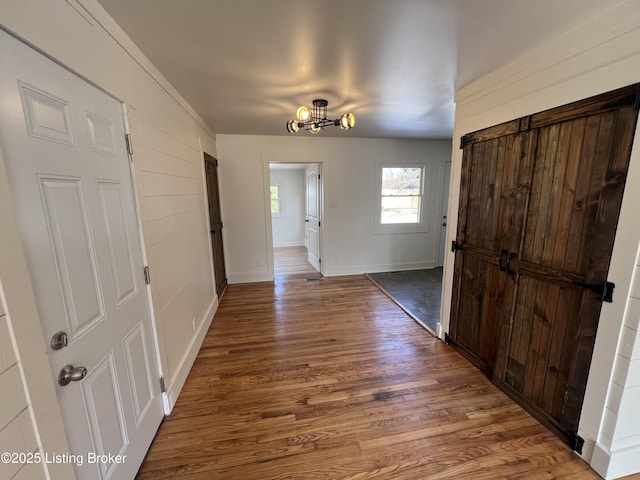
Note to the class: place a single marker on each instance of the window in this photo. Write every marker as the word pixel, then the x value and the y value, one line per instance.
pixel 401 195
pixel 401 192
pixel 276 206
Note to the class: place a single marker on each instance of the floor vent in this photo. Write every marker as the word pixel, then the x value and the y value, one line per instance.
pixel 314 279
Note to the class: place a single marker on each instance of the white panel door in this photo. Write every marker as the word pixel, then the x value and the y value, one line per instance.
pixel 313 217
pixel 63 143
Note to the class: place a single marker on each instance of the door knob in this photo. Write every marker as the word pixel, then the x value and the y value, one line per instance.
pixel 69 374
pixel 59 340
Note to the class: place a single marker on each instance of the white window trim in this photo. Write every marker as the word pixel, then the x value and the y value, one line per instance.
pixel 280 204
pixel 380 228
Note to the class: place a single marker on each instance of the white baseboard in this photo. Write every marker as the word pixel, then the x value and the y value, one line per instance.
pixel 174 386
pixel 440 331
pixel 389 267
pixel 289 244
pixel 617 463
pixel 249 277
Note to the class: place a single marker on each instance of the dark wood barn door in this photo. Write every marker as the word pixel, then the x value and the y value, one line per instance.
pixel 539 205
pixel 215 220
pixel 494 191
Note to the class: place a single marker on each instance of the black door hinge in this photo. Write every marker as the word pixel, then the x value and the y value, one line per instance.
pixel 147 275
pixel 577 442
pixel 162 387
pixel 455 246
pixel 604 289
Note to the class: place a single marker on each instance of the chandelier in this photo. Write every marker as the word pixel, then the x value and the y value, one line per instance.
pixel 316 119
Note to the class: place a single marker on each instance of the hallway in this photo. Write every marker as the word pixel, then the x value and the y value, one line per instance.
pixel 292 261
pixel 331 380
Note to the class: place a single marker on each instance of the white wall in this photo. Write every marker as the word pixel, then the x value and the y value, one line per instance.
pixel 348 168
pixel 621 422
pixel 169 138
pixel 17 432
pixel 599 56
pixel 288 227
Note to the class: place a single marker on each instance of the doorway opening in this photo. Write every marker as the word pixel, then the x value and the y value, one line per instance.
pixel 419 292
pixel 296 218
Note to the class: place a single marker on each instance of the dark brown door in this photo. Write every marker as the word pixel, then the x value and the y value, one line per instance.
pixel 215 220
pixel 527 311
pixel 494 190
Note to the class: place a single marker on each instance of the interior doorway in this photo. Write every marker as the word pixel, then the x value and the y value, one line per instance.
pixel 419 291
pixel 296 217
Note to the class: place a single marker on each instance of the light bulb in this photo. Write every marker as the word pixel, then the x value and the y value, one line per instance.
pixel 303 114
pixel 314 128
pixel 347 121
pixel 292 126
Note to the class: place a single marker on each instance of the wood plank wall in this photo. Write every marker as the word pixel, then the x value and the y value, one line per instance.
pixel 16 429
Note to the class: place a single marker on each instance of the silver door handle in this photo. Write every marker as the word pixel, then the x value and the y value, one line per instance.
pixel 69 374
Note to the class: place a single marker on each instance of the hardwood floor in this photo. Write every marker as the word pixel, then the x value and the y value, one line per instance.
pixel 331 380
pixel 292 260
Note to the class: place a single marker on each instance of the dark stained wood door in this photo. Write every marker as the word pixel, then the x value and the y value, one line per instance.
pixel 495 185
pixel 530 321
pixel 215 220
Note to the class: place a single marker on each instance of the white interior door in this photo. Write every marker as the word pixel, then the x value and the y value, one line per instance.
pixel 63 142
pixel 312 220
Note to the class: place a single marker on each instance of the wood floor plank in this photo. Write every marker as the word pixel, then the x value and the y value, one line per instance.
pixel 292 260
pixel 331 380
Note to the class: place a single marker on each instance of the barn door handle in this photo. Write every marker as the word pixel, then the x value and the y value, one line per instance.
pixel 511 271
pixel 502 267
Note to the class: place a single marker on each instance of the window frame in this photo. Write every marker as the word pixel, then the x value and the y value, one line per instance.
pixel 278 185
pixel 421 226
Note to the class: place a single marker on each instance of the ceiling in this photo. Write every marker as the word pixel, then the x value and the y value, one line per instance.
pixel 246 65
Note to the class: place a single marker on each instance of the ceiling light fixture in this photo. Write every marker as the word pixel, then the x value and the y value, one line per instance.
pixel 316 119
